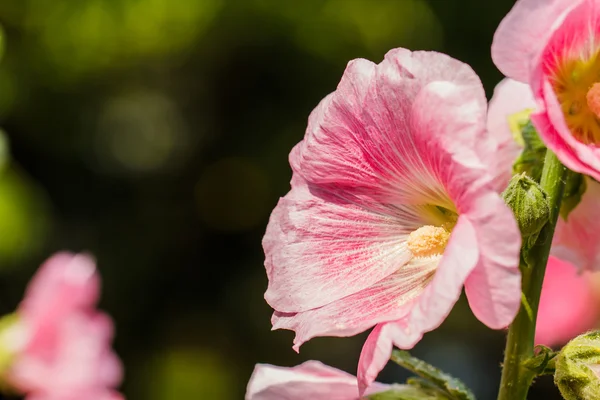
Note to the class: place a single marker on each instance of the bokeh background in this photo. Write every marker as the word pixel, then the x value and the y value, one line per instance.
pixel 155 134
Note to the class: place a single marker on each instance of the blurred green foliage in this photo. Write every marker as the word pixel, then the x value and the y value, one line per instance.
pixel 155 134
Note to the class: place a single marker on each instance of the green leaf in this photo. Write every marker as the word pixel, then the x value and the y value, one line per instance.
pixel 531 160
pixel 574 190
pixel 406 392
pixel 453 388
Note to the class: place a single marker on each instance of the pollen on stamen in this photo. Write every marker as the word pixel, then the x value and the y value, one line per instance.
pixel 593 99
pixel 428 241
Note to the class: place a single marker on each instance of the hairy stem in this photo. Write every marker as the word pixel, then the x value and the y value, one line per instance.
pixel 516 378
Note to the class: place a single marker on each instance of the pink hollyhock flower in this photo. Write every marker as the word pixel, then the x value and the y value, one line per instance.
pixel 59 344
pixel 569 305
pixel 310 380
pixel 393 208
pixel 554 46
pixel 576 239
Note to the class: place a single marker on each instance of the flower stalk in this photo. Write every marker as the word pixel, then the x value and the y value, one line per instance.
pixel 516 377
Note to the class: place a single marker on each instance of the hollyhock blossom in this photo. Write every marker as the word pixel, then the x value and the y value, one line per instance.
pixel 393 208
pixel 569 305
pixel 554 46
pixel 576 238
pixel 310 380
pixel 58 344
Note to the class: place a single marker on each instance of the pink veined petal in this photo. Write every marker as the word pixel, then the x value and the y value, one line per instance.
pixel 509 97
pixel 494 287
pixel 568 305
pixel 387 300
pixel 310 380
pixel 576 239
pixel 452 130
pixel 430 309
pixel 550 124
pixel 321 248
pixel 375 354
pixel 359 138
pixel 524 32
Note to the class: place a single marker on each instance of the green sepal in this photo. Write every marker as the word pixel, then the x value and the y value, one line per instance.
pixel 531 160
pixel 447 385
pixel 543 362
pixel 574 189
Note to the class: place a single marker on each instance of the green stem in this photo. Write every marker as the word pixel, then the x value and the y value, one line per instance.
pixel 516 379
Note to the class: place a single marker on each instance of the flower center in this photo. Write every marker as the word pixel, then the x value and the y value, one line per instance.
pixel 593 99
pixel 428 241
pixel 576 86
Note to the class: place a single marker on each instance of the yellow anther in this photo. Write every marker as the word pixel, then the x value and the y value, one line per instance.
pixel 593 99
pixel 428 241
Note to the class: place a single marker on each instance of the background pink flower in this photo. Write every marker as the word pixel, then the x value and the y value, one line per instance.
pixel 310 380
pixel 393 208
pixel 569 304
pixel 553 45
pixel 61 344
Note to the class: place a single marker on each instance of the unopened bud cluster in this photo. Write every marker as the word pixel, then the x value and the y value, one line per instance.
pixel 578 368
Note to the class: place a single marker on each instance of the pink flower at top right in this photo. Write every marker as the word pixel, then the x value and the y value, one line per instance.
pixel 554 46
pixel 570 301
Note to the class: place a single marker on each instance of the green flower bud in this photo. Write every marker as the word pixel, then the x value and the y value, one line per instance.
pixel 578 368
pixel 529 203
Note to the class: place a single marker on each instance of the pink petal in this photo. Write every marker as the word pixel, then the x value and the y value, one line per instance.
pixel 568 305
pixel 79 360
pixel 576 239
pixel 376 353
pixel 64 282
pixel 524 32
pixel 510 97
pixel 360 140
pixel 310 380
pixel 452 133
pixel 64 346
pixel 550 124
pixel 430 309
pixel 387 300
pixel 572 34
pixel 87 395
pixel 320 248
pixel 494 287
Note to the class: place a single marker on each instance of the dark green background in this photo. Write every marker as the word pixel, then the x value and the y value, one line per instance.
pixel 155 134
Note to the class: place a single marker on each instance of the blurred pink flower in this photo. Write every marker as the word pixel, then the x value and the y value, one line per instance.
pixel 60 343
pixel 576 239
pixel 310 380
pixel 569 305
pixel 554 46
pixel 393 207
